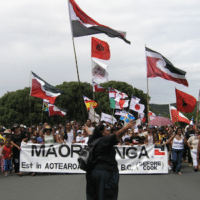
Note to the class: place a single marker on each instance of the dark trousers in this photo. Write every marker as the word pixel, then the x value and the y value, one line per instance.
pixel 177 159
pixel 16 162
pixel 102 185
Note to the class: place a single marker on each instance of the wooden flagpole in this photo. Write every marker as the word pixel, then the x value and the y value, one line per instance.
pixel 197 112
pixel 81 96
pixel 30 99
pixel 148 118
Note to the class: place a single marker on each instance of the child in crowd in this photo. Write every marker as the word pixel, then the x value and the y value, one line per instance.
pixel 1 157
pixel 79 138
pixel 40 138
pixel 7 153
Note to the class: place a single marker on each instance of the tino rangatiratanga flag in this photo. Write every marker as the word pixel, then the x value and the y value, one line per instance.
pixel 43 90
pixel 159 66
pixel 83 25
pixel 54 110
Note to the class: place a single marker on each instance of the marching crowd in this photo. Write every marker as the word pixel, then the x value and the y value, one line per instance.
pixel 181 143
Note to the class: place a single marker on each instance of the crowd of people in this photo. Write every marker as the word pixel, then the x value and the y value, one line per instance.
pixel 181 143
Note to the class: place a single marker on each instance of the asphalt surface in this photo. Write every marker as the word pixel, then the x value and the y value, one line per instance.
pixel 72 186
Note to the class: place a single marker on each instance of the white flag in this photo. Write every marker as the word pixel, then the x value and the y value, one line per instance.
pixel 99 73
pixel 108 118
pixel 135 106
pixel 93 116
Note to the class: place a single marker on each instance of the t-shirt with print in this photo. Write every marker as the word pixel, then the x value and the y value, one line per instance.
pixel 135 140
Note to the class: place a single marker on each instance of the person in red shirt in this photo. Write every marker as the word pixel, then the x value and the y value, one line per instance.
pixel 7 153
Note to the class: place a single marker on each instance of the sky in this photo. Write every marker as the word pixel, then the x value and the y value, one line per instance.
pixel 36 36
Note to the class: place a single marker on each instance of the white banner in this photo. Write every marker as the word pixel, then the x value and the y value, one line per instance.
pixel 108 118
pixel 62 158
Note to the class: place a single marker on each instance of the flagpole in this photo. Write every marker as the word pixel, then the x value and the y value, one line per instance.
pixel 170 112
pixel 81 96
pixel 148 118
pixel 197 112
pixel 42 113
pixel 30 99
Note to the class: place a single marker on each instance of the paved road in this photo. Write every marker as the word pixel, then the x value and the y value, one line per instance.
pixel 72 187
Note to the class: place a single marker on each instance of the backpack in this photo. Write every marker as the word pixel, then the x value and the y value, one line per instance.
pixel 85 158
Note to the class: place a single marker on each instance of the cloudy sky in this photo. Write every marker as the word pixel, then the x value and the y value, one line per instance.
pixel 36 35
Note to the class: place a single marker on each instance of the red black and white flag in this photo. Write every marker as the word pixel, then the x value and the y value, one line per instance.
pixel 98 88
pixel 43 90
pixel 159 66
pixel 54 110
pixel 185 102
pixel 100 49
pixel 83 25
pixel 177 116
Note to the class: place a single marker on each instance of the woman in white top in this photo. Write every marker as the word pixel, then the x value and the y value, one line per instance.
pixel 150 137
pixel 69 135
pixel 48 137
pixel 193 144
pixel 178 141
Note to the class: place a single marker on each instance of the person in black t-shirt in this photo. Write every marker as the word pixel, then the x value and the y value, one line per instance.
pixel 102 181
pixel 16 139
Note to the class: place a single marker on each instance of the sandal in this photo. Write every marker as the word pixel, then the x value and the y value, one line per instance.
pixel 179 173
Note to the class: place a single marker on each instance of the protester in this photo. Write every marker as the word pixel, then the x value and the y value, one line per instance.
pixel 16 139
pixel 135 139
pixel 68 135
pixel 193 144
pixel 79 137
pixel 89 125
pixel 102 181
pixel 7 153
pixel 40 137
pixel 151 136
pixel 48 137
pixel 178 141
pixel 1 157
pixel 189 134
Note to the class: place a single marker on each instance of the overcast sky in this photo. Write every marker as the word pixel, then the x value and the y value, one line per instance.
pixel 36 35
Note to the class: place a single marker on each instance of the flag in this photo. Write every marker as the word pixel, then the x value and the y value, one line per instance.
pixel 99 72
pixel 159 66
pixel 45 106
pixel 185 102
pixel 83 25
pixel 43 90
pixel 108 118
pixel 136 98
pixel 192 122
pixel 54 110
pixel 127 118
pixel 135 106
pixel 178 116
pixel 142 117
pixel 89 102
pixel 98 88
pixel 121 112
pixel 113 93
pixel 152 115
pixel 100 49
pixel 118 103
pixel 93 116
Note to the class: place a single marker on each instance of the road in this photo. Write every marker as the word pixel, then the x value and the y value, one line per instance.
pixel 72 186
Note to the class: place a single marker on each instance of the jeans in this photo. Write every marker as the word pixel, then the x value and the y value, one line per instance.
pixel 7 165
pixel 177 155
pixel 102 185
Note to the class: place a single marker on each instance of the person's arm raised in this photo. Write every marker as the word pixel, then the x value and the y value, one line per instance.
pixel 120 132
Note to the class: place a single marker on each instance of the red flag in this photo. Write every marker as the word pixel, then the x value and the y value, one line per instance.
pixel 98 88
pixel 54 110
pixel 159 66
pixel 178 116
pixel 185 102
pixel 100 49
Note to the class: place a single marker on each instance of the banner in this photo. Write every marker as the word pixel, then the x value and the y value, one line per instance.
pixel 62 158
